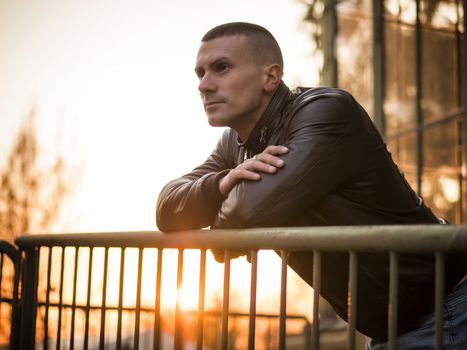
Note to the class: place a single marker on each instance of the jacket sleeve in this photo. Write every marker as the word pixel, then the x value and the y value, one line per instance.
pixel 323 143
pixel 192 201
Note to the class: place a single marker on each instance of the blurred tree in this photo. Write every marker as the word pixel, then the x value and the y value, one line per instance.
pixel 31 193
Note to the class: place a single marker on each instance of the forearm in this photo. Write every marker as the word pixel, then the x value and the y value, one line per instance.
pixel 322 153
pixel 188 203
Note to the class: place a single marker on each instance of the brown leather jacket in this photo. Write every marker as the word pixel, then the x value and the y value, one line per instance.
pixel 337 172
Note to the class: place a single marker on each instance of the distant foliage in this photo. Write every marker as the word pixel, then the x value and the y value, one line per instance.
pixel 31 193
pixel 313 15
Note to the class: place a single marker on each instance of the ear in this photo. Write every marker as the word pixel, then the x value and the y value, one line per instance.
pixel 273 76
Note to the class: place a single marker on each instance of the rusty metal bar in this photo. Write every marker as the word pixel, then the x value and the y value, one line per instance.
pixel 283 300
pixel 138 299
pixel 88 300
pixel 104 299
pixel 47 300
pixel 15 317
pixel 73 308
pixel 12 253
pixel 316 293
pixel 60 298
pixel 178 341
pixel 29 298
pixel 202 284
pixel 1 275
pixel 120 298
pixel 157 307
pixel 353 289
pixel 418 96
pixel 253 287
pixel 225 306
pixel 400 238
pixel 439 300
pixel 393 299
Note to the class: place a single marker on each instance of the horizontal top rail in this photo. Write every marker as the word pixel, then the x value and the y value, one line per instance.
pixel 400 238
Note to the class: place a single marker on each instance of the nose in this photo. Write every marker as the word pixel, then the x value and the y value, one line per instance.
pixel 206 84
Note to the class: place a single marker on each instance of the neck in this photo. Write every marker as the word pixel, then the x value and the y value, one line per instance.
pixel 244 131
pixel 258 131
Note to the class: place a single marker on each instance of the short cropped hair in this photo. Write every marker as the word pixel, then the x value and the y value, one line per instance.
pixel 264 45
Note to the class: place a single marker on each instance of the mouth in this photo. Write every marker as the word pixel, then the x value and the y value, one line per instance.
pixel 209 104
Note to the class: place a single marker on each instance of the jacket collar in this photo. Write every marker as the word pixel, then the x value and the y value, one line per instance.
pixel 259 137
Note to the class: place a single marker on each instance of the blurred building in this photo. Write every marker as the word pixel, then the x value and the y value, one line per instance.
pixel 404 61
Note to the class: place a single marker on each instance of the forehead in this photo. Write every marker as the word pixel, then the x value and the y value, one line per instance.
pixel 230 47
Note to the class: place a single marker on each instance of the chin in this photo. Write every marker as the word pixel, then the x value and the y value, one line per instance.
pixel 213 121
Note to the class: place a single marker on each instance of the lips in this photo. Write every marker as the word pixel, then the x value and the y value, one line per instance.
pixel 208 104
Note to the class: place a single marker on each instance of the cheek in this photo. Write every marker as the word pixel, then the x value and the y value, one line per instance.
pixel 250 94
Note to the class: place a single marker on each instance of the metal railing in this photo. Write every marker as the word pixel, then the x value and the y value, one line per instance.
pixel 31 306
pixel 9 277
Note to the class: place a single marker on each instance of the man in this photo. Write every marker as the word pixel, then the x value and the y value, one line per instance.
pixel 309 157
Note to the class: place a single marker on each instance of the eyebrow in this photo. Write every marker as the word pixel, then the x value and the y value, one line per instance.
pixel 213 63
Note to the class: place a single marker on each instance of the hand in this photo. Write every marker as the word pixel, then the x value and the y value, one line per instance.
pixel 267 162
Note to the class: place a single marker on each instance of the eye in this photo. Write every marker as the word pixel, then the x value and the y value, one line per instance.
pixel 222 67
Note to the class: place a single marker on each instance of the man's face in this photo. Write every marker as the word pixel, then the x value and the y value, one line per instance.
pixel 231 83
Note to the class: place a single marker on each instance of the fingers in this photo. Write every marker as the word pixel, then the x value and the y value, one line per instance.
pixel 273 162
pixel 275 150
pixel 267 162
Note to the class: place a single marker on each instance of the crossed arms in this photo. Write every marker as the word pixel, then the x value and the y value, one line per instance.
pixel 319 154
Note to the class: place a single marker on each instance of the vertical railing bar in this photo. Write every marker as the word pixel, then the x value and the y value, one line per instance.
pixel 15 315
pixel 138 299
pixel 283 300
pixel 120 297
pixel 1 276
pixel 35 295
pixel 60 299
pixel 439 300
pixel 88 300
pixel 202 284
pixel 225 306
pixel 47 300
pixel 29 280
pixel 393 299
pixel 316 293
pixel 178 336
pixel 73 304
pixel 104 300
pixel 157 308
pixel 352 307
pixel 418 97
pixel 253 287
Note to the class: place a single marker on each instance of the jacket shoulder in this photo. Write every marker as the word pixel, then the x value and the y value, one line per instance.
pixel 304 95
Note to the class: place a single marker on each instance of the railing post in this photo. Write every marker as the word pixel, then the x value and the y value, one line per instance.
pixel 439 300
pixel 178 336
pixel 225 302
pixel 393 299
pixel 29 298
pixel 253 287
pixel 13 253
pixel 283 301
pixel 353 290
pixel 316 293
pixel 202 283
